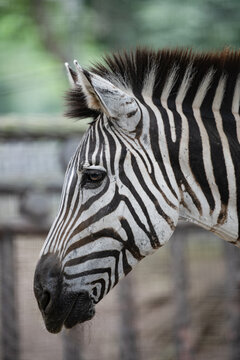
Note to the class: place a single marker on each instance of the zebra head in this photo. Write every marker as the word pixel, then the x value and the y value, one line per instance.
pixel 119 202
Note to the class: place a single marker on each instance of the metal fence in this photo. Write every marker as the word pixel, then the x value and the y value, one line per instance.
pixel 181 303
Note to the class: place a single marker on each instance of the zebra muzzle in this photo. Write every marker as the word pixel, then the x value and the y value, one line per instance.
pixel 59 306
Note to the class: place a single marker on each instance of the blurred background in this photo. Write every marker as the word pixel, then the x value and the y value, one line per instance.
pixel 181 303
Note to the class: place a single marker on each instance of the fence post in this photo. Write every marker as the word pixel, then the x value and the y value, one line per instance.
pixel 232 255
pixel 9 320
pixel 128 335
pixel 72 344
pixel 182 329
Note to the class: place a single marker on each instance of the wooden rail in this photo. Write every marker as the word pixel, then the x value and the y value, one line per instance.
pixel 30 128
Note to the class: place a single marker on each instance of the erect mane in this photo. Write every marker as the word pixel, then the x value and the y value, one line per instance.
pixel 133 71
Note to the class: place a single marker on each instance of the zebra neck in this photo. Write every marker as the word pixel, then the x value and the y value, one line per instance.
pixel 203 139
pixel 199 137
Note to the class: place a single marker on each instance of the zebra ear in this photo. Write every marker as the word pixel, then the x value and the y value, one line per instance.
pixel 71 74
pixel 103 96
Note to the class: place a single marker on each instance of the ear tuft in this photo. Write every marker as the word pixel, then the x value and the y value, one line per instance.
pixel 84 80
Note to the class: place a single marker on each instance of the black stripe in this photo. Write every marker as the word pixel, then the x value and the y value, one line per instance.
pixel 152 172
pixel 130 244
pixel 154 139
pixel 174 149
pixel 97 255
pixel 102 284
pixel 106 232
pixel 101 139
pixel 217 156
pixel 125 180
pixel 112 149
pixel 64 194
pixel 83 207
pixel 91 256
pixel 92 141
pixel 126 267
pixel 229 127
pixel 149 193
pixel 107 209
pixel 62 225
pixel 91 272
pixel 196 148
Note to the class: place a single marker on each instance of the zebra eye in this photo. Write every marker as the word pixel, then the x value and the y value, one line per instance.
pixel 92 178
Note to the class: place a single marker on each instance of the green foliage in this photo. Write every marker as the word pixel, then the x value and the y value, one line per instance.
pixel 37 36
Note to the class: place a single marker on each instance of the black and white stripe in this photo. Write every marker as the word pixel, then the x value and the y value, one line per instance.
pixel 164 143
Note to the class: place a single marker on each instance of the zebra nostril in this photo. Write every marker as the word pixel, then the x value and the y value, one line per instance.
pixel 45 300
pixel 47 283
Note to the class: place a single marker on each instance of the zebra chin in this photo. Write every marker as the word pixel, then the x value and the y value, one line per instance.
pixel 58 305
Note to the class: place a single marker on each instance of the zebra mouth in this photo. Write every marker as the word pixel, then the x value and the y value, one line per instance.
pixel 77 311
pixel 81 311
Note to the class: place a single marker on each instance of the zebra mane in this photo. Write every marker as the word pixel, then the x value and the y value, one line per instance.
pixel 144 72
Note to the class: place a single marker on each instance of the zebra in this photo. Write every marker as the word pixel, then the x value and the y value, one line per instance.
pixel 163 145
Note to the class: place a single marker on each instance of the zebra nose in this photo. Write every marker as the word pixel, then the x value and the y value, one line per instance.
pixel 47 281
